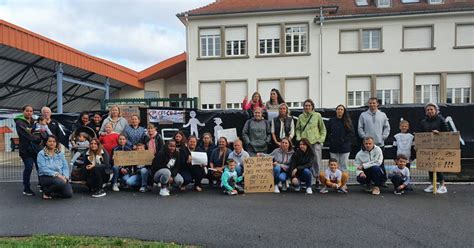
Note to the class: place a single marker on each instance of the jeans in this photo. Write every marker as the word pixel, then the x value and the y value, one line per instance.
pixel 439 177
pixel 279 174
pixel 305 176
pixel 373 174
pixel 197 173
pixel 96 177
pixel 342 159
pixel 397 181
pixel 139 179
pixel 318 160
pixel 163 176
pixel 116 173
pixel 56 186
pixel 29 162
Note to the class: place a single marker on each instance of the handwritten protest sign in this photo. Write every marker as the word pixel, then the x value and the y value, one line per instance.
pixel 127 111
pixel 440 160
pixel 166 116
pixel 230 134
pixel 128 158
pixel 443 140
pixel 258 175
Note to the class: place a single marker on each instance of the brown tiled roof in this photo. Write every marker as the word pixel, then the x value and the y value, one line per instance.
pixel 165 69
pixel 345 7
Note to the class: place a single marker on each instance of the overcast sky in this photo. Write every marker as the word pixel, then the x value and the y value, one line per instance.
pixel 133 33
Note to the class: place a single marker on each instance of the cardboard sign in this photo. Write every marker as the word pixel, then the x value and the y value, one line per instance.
pixel 258 175
pixel 129 158
pixel 230 134
pixel 441 160
pixel 128 111
pixel 164 116
pixel 443 140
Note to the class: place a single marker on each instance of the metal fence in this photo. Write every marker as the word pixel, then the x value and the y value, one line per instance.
pixel 189 103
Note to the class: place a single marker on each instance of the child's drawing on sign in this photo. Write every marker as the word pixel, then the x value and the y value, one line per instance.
pixel 218 127
pixel 194 122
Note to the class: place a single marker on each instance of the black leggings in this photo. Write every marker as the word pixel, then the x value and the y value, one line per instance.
pixel 55 186
pixel 96 177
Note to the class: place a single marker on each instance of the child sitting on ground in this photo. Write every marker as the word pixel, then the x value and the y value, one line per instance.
pixel 80 147
pixel 118 170
pixel 229 179
pixel 400 175
pixel 137 175
pixel 333 178
pixel 404 141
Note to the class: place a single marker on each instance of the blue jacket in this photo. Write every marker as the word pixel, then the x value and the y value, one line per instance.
pixel 52 166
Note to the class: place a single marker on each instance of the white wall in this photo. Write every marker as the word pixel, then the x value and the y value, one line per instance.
pixel 131 92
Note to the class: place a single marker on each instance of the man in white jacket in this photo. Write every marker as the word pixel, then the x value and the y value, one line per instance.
pixel 368 161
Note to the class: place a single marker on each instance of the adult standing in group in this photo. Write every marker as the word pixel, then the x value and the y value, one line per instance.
pixel 255 102
pixel 53 171
pixel 340 134
pixel 83 120
pixel 310 125
pixel 134 132
pixel 435 123
pixel 282 126
pixel 275 100
pixel 238 155
pixel 96 123
pixel 118 122
pixel 153 141
pixel 98 168
pixel 374 123
pixel 53 125
pixel 24 125
pixel 256 133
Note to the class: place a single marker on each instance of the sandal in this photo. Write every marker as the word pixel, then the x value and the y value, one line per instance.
pixel 47 197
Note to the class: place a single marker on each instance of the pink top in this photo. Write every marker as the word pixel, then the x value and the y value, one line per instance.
pixel 249 105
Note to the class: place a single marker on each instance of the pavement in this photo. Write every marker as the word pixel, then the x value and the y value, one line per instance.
pixel 289 219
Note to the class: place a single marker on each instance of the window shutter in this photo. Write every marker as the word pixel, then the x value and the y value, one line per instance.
pixel 459 80
pixel 210 31
pixel 465 35
pixel 349 40
pixel 210 93
pixel 358 84
pixel 239 33
pixel 264 88
pixel 296 90
pixel 269 32
pixel 427 79
pixel 388 83
pixel 419 37
pixel 235 91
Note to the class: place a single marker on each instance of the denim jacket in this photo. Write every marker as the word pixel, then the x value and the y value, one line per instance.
pixel 52 166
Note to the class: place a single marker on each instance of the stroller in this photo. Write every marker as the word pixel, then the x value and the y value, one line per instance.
pixel 79 153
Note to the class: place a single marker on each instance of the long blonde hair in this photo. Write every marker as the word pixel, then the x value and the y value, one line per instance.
pixel 93 154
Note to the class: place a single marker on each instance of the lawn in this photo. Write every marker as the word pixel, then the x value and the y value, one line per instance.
pixel 38 241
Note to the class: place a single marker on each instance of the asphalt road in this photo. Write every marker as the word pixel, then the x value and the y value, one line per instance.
pixel 210 219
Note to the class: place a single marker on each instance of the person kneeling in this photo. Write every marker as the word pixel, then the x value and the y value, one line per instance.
pixel 137 175
pixel 333 178
pixel 400 175
pixel 165 167
pixel 368 161
pixel 300 166
pixel 230 179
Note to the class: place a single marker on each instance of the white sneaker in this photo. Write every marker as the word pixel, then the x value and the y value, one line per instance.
pixel 277 190
pixel 164 192
pixel 115 187
pixel 279 185
pixel 309 191
pixel 284 187
pixel 324 190
pixel 429 189
pixel 442 190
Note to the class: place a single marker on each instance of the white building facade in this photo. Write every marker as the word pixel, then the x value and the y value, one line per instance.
pixel 408 56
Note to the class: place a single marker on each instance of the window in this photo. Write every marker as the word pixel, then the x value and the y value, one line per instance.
pixel 361 40
pixel 296 92
pixel 388 89
pixel 210 95
pixel 383 3
pixel 269 39
pixel 296 38
pixel 371 39
pixel 210 40
pixel 410 1
pixel 465 35
pixel 358 91
pixel 427 88
pixel 151 94
pixel 362 2
pixel 236 41
pixel 234 94
pixel 415 38
pixel 435 1
pixel 458 88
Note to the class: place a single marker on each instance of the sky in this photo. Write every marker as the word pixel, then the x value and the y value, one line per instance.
pixel 134 33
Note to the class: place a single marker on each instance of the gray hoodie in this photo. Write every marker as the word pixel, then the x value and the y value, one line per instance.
pixel 374 124
pixel 257 135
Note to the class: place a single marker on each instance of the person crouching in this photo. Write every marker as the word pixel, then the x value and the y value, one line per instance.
pixel 230 179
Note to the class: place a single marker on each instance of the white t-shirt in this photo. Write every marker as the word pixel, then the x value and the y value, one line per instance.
pixel 334 177
pixel 403 142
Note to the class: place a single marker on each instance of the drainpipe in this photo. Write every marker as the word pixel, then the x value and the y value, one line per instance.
pixel 321 20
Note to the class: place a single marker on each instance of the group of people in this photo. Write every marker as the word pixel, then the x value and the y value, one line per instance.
pixel 293 166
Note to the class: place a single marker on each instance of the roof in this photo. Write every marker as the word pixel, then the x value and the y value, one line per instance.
pixel 20 38
pixel 164 69
pixel 345 7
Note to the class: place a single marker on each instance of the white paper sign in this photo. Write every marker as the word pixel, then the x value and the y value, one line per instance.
pixel 199 158
pixel 230 134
